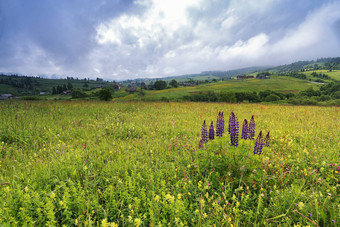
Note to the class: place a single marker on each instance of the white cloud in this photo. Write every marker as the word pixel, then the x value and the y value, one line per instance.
pixel 157 38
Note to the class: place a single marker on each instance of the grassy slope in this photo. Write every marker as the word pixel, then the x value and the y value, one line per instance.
pixel 280 84
pixel 335 74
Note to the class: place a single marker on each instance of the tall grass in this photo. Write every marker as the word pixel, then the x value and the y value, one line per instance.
pixel 98 163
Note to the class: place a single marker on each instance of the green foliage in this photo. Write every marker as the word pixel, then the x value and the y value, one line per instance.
pixel 160 85
pixel 272 98
pixel 173 83
pixel 77 93
pixel 106 93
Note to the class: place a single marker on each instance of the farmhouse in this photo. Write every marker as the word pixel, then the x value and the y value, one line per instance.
pixel 262 76
pixel 239 77
pixel 67 92
pixel 143 85
pixel 116 87
pixel 6 96
pixel 131 89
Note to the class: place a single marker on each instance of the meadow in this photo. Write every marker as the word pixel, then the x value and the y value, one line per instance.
pixel 91 163
pixel 276 83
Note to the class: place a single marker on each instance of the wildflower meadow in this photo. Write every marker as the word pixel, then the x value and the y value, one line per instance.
pixel 91 163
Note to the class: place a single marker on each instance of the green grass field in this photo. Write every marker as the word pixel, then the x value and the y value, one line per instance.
pixel 280 84
pixel 335 74
pixel 90 163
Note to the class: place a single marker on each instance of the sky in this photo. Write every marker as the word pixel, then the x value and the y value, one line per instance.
pixel 127 39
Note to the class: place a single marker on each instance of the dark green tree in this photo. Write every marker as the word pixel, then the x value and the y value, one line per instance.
pixel 59 89
pixel 54 91
pixel 69 86
pixel 77 93
pixel 173 83
pixel 160 85
pixel 106 93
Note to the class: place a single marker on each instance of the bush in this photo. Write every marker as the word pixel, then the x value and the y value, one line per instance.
pixel 160 85
pixel 77 93
pixel 106 93
pixel 272 98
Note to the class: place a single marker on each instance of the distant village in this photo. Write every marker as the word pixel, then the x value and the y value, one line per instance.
pixel 133 85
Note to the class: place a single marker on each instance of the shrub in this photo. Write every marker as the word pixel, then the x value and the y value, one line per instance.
pixel 271 98
pixel 106 94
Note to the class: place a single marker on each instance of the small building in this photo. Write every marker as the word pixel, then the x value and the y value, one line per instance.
pixel 99 86
pixel 143 86
pixel 44 93
pixel 6 96
pixel 131 89
pixel 151 87
pixel 262 76
pixel 251 77
pixel 66 92
pixel 239 77
pixel 116 87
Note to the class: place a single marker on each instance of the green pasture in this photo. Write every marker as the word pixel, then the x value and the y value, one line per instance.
pixel 90 163
pixel 335 74
pixel 280 84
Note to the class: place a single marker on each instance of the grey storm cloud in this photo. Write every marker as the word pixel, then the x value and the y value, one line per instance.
pixel 155 38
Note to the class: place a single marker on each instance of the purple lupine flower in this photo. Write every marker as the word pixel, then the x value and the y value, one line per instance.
pixel 245 130
pixel 233 128
pixel 267 139
pixel 204 133
pixel 221 125
pixel 251 128
pixel 211 131
pixel 229 123
pixel 258 144
pixel 218 124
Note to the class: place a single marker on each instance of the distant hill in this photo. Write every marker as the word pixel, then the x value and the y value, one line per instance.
pixel 322 63
pixel 320 70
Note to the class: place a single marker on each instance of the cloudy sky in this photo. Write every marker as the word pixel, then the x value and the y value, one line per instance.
pixel 120 39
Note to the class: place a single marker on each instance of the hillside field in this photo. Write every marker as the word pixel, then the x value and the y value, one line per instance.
pixel 276 83
pixel 335 74
pixel 96 163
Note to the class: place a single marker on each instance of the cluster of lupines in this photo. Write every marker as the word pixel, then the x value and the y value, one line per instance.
pixel 233 129
pixel 248 132
pixel 259 143
pixel 220 124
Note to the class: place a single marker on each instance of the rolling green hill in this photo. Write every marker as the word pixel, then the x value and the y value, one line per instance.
pixel 276 83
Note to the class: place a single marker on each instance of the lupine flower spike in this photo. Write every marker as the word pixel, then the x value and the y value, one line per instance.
pixel 204 133
pixel 229 122
pixel 258 144
pixel 211 131
pixel 245 130
pixel 234 129
pixel 251 128
pixel 221 125
pixel 218 124
pixel 267 139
